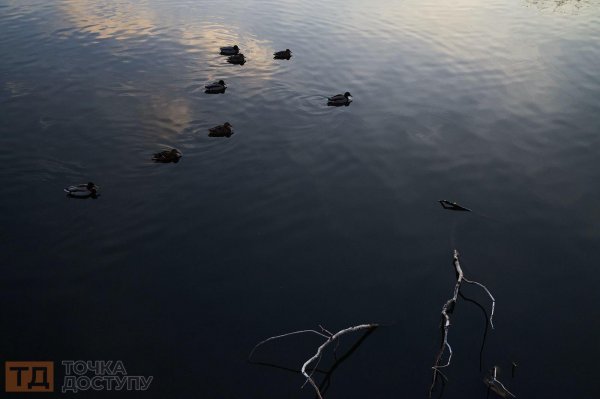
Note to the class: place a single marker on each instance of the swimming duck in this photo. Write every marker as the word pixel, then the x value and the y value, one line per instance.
pixel 237 59
pixel 216 87
pixel 283 55
pixel 230 50
pixel 166 156
pixel 82 190
pixel 224 130
pixel 340 99
pixel 453 206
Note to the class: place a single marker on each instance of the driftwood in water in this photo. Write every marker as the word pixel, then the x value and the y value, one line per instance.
pixel 447 310
pixel 327 374
pixel 453 206
pixel 496 386
pixel 316 358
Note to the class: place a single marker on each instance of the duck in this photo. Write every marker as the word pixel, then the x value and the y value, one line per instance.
pixel 340 99
pixel 230 50
pixel 216 87
pixel 167 156
pixel 283 55
pixel 84 190
pixel 224 130
pixel 237 59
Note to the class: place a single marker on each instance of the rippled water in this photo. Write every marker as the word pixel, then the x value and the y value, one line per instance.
pixel 308 214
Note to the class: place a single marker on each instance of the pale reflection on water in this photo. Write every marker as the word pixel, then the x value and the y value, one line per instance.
pixel 112 19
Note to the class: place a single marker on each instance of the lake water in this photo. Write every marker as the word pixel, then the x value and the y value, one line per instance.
pixel 308 214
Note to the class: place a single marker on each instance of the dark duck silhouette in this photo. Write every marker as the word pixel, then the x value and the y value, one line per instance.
pixel 283 55
pixel 224 130
pixel 166 156
pixel 85 190
pixel 340 99
pixel 229 50
pixel 238 59
pixel 216 87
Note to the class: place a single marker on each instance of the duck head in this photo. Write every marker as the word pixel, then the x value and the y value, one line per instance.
pixel 92 188
pixel 347 94
pixel 227 124
pixel 222 82
pixel 236 48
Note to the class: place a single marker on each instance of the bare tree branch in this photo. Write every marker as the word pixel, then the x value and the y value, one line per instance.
pixel 447 310
pixel 283 336
pixel 317 356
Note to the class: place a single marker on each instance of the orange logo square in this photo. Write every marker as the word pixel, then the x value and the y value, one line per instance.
pixel 29 376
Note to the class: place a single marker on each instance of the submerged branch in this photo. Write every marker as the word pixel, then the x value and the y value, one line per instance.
pixel 447 310
pixel 496 386
pixel 317 356
pixel 283 336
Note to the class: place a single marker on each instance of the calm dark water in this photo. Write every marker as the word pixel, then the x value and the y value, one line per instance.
pixel 308 214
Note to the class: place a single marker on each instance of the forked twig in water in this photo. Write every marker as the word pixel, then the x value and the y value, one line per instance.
pixel 317 356
pixel 447 310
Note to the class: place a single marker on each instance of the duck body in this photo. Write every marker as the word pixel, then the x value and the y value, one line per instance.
pixel 340 99
pixel 229 50
pixel 239 59
pixel 283 55
pixel 216 87
pixel 167 156
pixel 224 130
pixel 85 190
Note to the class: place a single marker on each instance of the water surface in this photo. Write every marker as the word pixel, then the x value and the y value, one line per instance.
pixel 308 214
